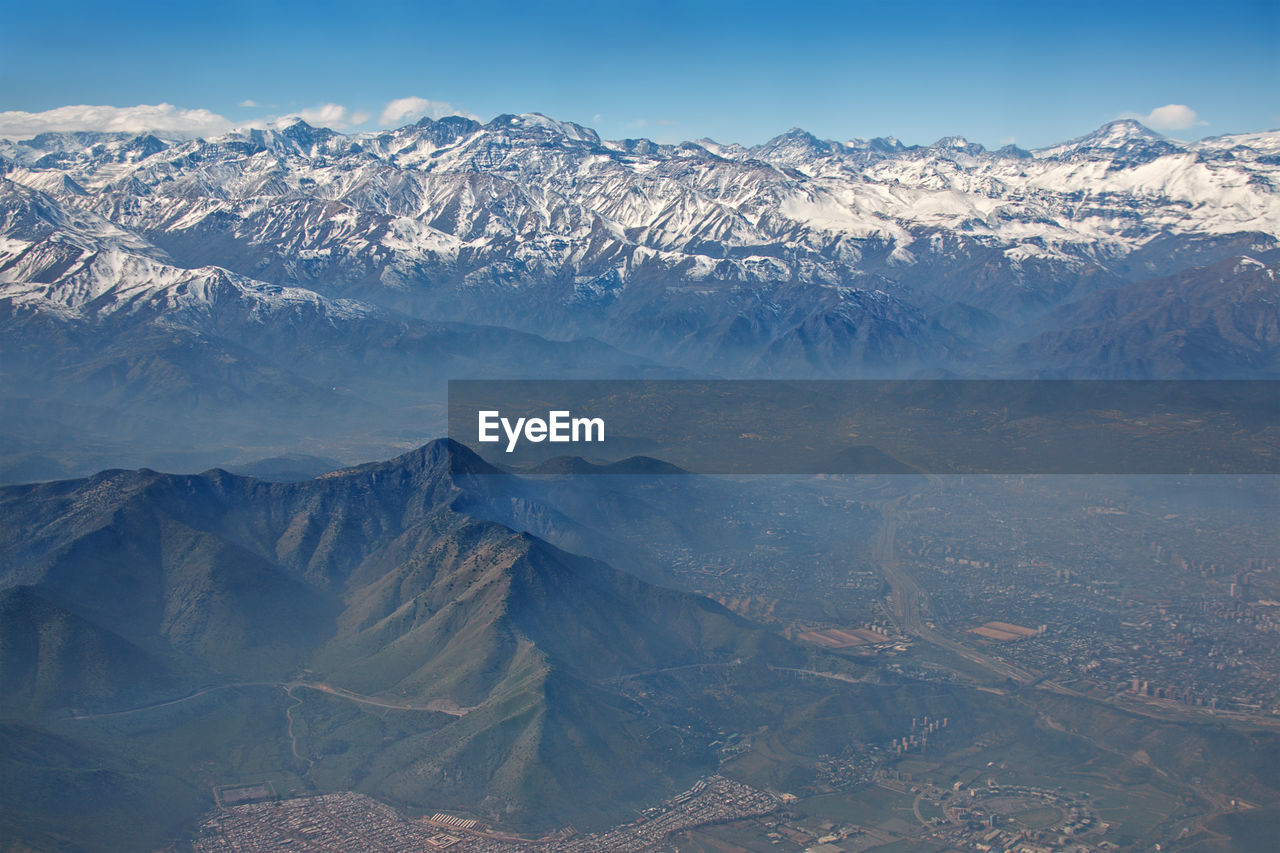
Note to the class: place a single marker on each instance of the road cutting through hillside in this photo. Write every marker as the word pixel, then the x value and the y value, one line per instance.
pixel 439 706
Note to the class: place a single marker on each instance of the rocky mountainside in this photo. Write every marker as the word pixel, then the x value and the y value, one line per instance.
pixel 133 588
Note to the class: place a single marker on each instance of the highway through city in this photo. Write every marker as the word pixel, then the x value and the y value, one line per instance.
pixel 910 601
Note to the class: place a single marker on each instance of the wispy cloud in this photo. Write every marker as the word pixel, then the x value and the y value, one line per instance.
pixel 404 110
pixel 166 119
pixel 333 116
pixel 143 118
pixel 1169 117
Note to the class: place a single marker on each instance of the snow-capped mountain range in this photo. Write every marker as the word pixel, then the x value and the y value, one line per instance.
pixel 526 199
pixel 75 264
pixel 796 257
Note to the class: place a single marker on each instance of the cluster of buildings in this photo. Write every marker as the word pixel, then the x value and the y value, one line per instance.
pixel 986 819
pixel 1156 625
pixel 861 764
pixel 333 822
pixel 714 799
pixel 918 738
pixel 989 818
pixel 345 822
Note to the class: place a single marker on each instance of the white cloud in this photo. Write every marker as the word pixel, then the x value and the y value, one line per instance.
pixel 1170 117
pixel 333 116
pixel 155 118
pixel 248 102
pixel 405 110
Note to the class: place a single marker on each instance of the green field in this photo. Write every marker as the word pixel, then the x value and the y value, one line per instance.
pixel 731 837
pixel 930 810
pixel 870 806
pixel 1041 818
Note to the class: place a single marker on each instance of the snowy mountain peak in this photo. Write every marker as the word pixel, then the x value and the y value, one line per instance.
pixel 958 144
pixel 446 130
pixel 540 125
pixel 1122 130
pixel 797 149
pixel 1125 137
pixel 799 134
pixel 1013 151
pixel 304 135
pixel 797 141
pixel 288 137
pixel 732 151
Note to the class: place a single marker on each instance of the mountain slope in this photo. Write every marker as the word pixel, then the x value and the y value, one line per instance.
pixel 50 657
pixel 1221 321
pixel 367 583
pixel 106 340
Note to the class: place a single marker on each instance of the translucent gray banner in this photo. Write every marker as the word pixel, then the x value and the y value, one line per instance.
pixel 870 427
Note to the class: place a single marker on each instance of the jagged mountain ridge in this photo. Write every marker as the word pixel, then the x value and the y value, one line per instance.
pixel 541 224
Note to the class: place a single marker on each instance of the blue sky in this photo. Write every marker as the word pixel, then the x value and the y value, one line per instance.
pixel 736 72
